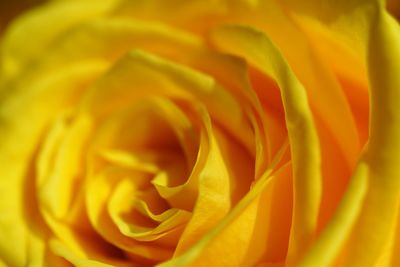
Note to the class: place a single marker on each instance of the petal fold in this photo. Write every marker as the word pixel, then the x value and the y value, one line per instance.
pixel 255 47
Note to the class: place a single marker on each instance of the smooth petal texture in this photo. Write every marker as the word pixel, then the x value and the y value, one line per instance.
pixel 384 144
pixel 342 27
pixel 214 188
pixel 336 56
pixel 186 14
pixel 259 51
pixel 326 97
pixel 165 78
pixel 61 250
pixel 340 146
pixel 377 192
pixel 189 86
pixel 245 205
pixel 330 242
pixel 327 101
pixel 57 183
pixel 189 158
pixel 64 217
pixel 261 230
pixel 99 190
pixel 394 260
pixel 22 120
pixel 92 41
pixel 15 54
pixel 122 203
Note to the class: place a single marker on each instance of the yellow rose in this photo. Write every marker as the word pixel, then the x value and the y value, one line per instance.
pixel 200 133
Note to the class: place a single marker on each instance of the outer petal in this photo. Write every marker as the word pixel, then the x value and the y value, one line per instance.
pixel 259 51
pixel 327 101
pixel 327 247
pixel 344 18
pixel 255 46
pixel 46 24
pixel 22 118
pixel 383 156
pixel 369 208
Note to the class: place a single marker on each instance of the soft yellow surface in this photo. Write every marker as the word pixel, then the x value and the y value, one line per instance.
pixel 201 133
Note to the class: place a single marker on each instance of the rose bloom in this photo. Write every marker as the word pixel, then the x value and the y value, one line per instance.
pixel 200 133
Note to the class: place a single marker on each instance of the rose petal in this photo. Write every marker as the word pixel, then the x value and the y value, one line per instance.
pixel 384 145
pixel 60 167
pixel 334 235
pixel 154 75
pixel 63 251
pixel 261 230
pixel 258 50
pixel 248 200
pixel 61 15
pixel 22 120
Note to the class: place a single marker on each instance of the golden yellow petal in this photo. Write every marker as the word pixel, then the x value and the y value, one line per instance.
pixel 259 51
pixel 24 111
pixel 327 100
pixel 246 203
pixel 384 143
pixel 61 250
pixel 333 237
pixel 46 23
pixel 261 230
pixel 157 76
